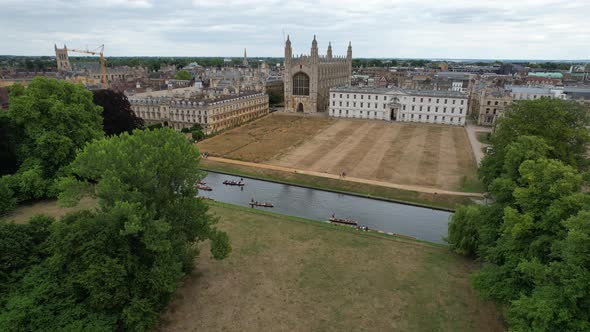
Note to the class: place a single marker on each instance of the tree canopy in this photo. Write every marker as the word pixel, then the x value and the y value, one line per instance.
pixel 183 75
pixel 116 267
pixel 561 124
pixel 46 124
pixel 534 236
pixel 117 114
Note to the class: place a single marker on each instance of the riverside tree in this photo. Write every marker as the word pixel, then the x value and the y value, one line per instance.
pixel 115 268
pixel 561 124
pixel 534 236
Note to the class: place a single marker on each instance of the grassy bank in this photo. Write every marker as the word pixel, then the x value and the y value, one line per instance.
pixel 290 274
pixel 425 199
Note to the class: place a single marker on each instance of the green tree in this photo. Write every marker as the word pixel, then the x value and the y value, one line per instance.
pixel 117 114
pixel 197 135
pixel 183 75
pixel 7 198
pixel 21 247
pixel 116 268
pixel 275 97
pixel 561 124
pixel 57 118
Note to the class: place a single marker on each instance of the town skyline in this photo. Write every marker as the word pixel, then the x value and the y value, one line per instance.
pixel 550 29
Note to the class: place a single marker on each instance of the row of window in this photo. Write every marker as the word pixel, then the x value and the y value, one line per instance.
pixel 496 102
pixel 445 101
pixel 361 96
pixel 346 112
pixel 436 118
pixel 444 109
pixel 362 104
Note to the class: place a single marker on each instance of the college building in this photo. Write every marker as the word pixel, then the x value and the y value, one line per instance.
pixel 395 104
pixel 308 78
pixel 214 114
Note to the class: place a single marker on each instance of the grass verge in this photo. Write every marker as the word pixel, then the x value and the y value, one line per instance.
pixel 49 207
pixel 288 273
pixel 367 190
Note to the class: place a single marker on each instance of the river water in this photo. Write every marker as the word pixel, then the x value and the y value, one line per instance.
pixel 421 223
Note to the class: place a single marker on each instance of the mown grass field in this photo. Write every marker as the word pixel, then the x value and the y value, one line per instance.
pixel 432 156
pixel 289 274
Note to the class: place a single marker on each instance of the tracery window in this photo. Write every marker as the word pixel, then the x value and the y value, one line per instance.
pixel 301 84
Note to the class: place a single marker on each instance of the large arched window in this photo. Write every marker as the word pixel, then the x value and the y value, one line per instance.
pixel 301 84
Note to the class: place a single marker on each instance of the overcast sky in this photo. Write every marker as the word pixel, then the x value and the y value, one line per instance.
pixel 498 29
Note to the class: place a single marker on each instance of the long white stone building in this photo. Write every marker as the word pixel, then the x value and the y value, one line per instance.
pixel 395 104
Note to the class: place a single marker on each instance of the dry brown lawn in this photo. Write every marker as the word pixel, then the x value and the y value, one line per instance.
pixel 286 274
pixel 49 207
pixel 264 139
pixel 433 156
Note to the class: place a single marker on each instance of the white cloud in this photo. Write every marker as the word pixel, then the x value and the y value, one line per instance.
pixel 534 29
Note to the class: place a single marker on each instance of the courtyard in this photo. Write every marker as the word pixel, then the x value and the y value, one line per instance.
pixel 432 156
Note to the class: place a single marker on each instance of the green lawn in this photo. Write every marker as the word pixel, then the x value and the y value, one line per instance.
pixel 290 274
pixel 433 200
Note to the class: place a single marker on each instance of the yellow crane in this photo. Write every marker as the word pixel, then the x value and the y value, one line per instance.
pixel 103 67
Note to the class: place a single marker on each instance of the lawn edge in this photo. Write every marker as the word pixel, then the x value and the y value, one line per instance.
pixel 317 223
pixel 269 178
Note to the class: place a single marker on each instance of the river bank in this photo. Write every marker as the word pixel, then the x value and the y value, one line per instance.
pixel 440 201
pixel 421 223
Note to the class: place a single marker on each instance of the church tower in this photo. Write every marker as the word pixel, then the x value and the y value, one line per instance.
pixel 329 53
pixel 245 62
pixel 61 56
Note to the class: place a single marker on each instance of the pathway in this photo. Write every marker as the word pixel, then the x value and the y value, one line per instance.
pixel 476 145
pixel 348 178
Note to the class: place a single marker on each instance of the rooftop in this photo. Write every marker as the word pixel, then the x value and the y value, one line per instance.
pixel 394 90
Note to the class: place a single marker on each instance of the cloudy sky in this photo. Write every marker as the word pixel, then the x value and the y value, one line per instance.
pixel 490 29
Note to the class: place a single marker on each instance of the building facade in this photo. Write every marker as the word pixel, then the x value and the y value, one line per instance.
pixel 395 104
pixel 361 103
pixel 308 78
pixel 61 56
pixel 213 114
pixel 491 105
pixel 438 107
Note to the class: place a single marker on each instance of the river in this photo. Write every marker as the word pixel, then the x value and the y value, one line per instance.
pixel 419 222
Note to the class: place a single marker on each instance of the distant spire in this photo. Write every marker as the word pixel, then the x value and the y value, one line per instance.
pixel 349 52
pixel 245 62
pixel 314 48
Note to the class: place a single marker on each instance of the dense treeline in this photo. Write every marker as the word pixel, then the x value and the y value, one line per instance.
pixel 534 237
pixel 114 267
pixel 45 126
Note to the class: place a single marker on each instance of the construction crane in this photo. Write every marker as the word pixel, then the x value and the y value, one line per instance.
pixel 103 67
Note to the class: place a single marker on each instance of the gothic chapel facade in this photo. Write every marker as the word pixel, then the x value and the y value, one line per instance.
pixel 308 78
